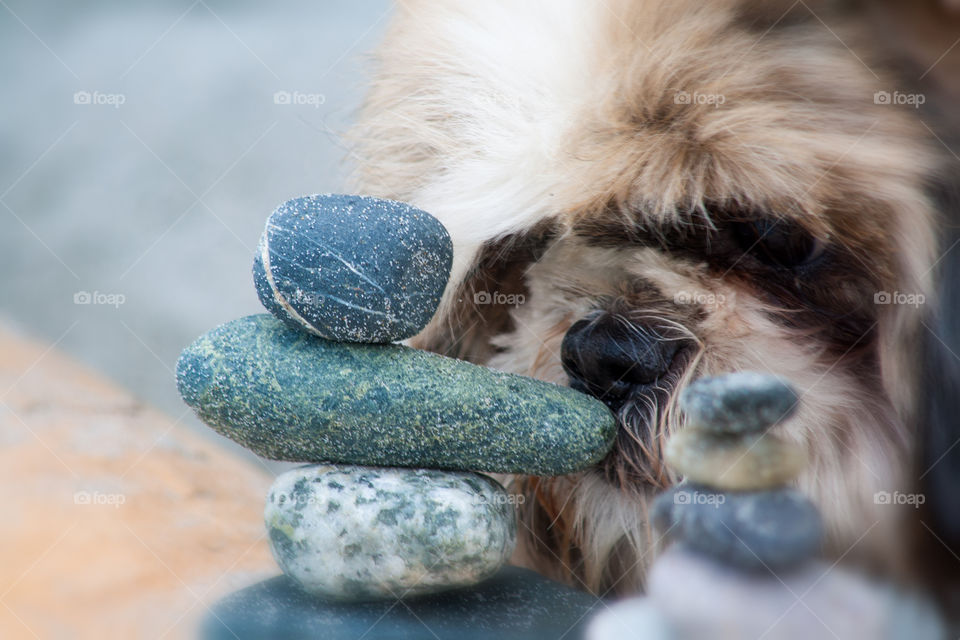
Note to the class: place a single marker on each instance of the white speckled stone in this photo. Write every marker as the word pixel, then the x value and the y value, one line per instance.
pixel 360 533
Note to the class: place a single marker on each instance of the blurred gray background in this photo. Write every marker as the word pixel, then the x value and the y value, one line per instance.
pixel 142 145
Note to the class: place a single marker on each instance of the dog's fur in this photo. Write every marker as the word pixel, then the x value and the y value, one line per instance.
pixel 555 141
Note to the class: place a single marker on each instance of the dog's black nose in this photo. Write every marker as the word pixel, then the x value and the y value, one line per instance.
pixel 608 357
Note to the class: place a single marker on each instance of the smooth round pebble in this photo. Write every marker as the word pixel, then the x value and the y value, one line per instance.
pixel 756 530
pixel 515 604
pixel 357 533
pixel 735 462
pixel 741 402
pixel 352 268
pixel 290 396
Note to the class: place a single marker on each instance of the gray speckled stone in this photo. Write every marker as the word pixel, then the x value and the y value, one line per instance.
pixel 287 395
pixel 515 604
pixel 736 462
pixel 360 533
pixel 740 402
pixel 755 530
pixel 352 268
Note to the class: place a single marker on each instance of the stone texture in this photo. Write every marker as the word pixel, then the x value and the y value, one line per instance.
pixel 758 530
pixel 352 268
pixel 735 462
pixel 357 533
pixel 117 522
pixel 740 402
pixel 706 599
pixel 515 604
pixel 290 396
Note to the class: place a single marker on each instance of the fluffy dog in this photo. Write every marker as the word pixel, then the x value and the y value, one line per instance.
pixel 642 192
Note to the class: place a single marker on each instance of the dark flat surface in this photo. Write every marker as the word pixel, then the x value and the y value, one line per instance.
pixel 515 604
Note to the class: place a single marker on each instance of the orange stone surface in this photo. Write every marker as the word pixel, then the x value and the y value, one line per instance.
pixel 116 522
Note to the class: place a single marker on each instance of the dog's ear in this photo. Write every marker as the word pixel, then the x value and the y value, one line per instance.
pixel 475 311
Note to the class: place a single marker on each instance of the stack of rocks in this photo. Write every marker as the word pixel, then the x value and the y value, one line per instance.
pixel 392 505
pixel 742 564
pixel 735 505
pixel 742 540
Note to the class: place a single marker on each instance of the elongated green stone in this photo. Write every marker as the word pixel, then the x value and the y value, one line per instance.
pixel 290 396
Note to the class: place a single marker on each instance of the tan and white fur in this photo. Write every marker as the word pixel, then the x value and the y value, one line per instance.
pixel 589 155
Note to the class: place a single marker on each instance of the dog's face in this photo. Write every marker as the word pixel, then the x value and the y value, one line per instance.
pixel 630 311
pixel 641 193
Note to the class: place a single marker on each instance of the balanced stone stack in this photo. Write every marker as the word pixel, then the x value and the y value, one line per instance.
pixel 735 504
pixel 742 563
pixel 392 505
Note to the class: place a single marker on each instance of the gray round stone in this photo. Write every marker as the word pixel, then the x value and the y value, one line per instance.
pixel 360 533
pixel 739 462
pixel 352 268
pixel 290 396
pixel 740 402
pixel 754 530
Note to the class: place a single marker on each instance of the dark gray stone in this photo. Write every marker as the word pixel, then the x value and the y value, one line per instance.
pixel 515 604
pixel 755 530
pixel 740 402
pixel 352 268
pixel 287 395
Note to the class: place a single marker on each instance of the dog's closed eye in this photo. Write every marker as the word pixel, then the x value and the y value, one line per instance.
pixel 777 243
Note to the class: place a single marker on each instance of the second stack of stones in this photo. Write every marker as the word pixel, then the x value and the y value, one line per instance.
pixel 735 504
